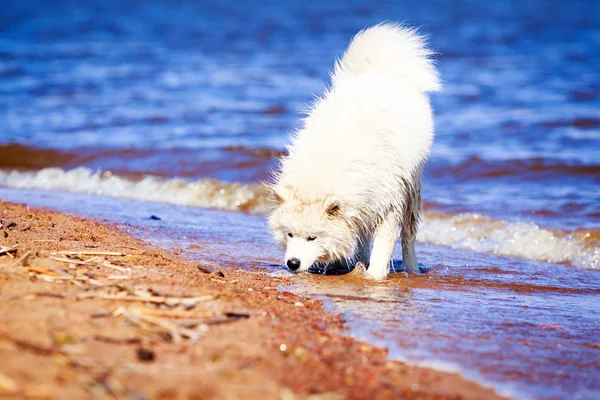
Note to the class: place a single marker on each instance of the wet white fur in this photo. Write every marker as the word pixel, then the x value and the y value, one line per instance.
pixel 353 173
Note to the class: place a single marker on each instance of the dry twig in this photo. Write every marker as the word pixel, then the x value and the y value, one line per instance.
pixel 44 272
pixel 21 259
pixel 89 253
pixel 70 261
pixel 7 250
pixel 118 277
pixel 106 339
pixel 130 247
pixel 171 313
pixel 109 265
pixel 170 301
pixel 158 325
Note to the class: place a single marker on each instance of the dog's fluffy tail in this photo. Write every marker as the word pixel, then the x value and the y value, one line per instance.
pixel 393 50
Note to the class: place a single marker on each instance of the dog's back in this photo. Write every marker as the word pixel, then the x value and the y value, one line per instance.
pixel 373 127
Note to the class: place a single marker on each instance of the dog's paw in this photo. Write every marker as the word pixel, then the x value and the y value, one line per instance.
pixel 377 275
pixel 359 269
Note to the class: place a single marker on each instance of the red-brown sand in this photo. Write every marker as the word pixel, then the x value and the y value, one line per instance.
pixel 118 325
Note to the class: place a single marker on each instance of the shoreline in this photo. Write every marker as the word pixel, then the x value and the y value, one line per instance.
pixel 461 229
pixel 118 317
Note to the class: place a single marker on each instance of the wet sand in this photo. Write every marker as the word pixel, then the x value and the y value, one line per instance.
pixel 250 340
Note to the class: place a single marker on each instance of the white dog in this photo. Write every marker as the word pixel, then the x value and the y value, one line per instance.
pixel 354 170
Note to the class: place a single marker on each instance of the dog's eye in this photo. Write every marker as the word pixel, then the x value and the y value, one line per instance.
pixel 311 238
pixel 290 234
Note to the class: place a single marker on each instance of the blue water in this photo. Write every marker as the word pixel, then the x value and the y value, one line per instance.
pixel 211 90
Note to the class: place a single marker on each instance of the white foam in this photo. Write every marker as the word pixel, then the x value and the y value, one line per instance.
pixel 524 240
pixel 205 193
pixel 472 232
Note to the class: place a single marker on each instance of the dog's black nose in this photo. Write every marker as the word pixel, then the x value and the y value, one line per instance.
pixel 293 264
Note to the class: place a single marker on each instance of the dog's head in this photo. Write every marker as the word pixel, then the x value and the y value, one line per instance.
pixel 311 232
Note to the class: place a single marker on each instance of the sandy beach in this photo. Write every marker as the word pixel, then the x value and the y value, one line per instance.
pixel 88 310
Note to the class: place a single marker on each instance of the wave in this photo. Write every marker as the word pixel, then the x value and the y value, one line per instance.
pixel 531 168
pixel 24 157
pixel 476 232
pixel 465 231
pixel 132 162
pixel 207 193
pixel 249 163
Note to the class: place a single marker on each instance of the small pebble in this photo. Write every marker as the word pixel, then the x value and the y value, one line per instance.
pixel 298 304
pixel 145 354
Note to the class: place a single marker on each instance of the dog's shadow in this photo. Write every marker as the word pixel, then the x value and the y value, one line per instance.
pixel 342 268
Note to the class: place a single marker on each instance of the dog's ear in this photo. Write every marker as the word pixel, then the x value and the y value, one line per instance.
pixel 280 194
pixel 333 206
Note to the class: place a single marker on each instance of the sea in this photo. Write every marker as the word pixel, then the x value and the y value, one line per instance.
pixel 127 109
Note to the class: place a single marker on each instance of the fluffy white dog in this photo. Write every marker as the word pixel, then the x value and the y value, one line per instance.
pixel 354 170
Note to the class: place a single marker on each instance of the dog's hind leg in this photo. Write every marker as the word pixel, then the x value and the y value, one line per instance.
pixel 410 221
pixel 384 240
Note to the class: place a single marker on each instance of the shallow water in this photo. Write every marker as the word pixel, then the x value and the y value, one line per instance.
pixel 123 109
pixel 531 329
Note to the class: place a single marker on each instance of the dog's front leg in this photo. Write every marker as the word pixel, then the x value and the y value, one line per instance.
pixel 384 240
